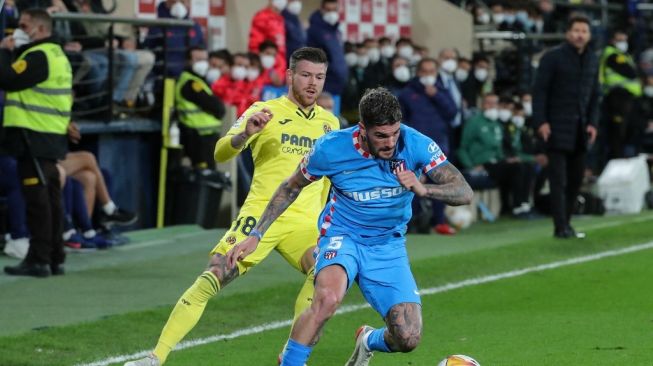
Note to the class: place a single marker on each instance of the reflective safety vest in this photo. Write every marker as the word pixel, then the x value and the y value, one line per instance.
pixel 46 106
pixel 610 79
pixel 189 113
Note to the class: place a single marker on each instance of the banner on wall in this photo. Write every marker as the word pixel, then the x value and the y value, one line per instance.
pixel 209 14
pixel 360 19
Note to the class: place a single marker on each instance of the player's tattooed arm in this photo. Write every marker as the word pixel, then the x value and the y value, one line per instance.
pixel 284 196
pixel 450 186
pixel 404 322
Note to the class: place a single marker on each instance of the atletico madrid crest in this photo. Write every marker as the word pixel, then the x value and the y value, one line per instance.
pixel 330 254
pixel 397 165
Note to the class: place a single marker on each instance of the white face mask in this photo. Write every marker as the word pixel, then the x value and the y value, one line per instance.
pixel 351 59
pixel 201 67
pixel 21 38
pixel 504 115
pixel 401 73
pixel 406 52
pixel 509 18
pixel 331 17
pixel 362 61
pixel 238 72
pixel 388 51
pixel 483 18
pixel 427 80
pixel 212 75
pixel 179 10
pixel 491 113
pixel 480 74
pixel 622 46
pixel 294 7
pixel 528 108
pixel 518 121
pixel 267 61
pixel 461 75
pixel 497 18
pixel 648 91
pixel 449 66
pixel 253 74
pixel 374 54
pixel 279 4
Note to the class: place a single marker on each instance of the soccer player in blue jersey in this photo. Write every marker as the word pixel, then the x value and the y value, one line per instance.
pixel 374 169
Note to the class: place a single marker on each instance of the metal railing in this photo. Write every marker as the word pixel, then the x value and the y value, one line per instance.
pixel 162 62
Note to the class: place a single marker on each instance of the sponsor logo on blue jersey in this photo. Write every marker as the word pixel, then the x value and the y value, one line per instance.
pixel 376 194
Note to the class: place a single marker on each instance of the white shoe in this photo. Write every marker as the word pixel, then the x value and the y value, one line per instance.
pixel 17 248
pixel 361 355
pixel 150 360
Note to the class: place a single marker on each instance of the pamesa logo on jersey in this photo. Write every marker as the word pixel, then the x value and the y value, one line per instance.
pixel 375 194
pixel 295 144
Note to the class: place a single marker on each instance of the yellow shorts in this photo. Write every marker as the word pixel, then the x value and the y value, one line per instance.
pixel 289 236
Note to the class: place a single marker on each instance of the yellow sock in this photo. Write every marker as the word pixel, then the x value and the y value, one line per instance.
pixel 186 313
pixel 305 297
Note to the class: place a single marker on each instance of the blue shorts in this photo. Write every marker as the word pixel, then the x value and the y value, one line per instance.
pixel 380 267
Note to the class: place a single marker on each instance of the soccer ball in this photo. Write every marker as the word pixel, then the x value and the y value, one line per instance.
pixel 459 360
pixel 459 216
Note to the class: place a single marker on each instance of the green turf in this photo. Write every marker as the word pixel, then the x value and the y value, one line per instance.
pixel 115 302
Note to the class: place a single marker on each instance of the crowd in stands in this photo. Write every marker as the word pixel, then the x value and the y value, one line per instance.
pixel 478 107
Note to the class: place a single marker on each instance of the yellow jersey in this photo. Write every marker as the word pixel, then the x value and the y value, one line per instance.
pixel 277 150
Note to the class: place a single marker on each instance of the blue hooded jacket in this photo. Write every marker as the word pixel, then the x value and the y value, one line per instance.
pixel 323 35
pixel 295 33
pixel 431 116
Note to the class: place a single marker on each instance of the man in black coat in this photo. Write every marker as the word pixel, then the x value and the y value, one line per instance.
pixel 565 115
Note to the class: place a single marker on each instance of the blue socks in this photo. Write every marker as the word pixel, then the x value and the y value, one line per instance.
pixel 376 342
pixel 296 354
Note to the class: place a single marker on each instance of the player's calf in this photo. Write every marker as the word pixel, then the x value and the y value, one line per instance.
pixel 404 322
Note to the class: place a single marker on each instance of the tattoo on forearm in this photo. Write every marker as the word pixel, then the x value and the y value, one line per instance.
pixel 450 186
pixel 282 198
pixel 404 322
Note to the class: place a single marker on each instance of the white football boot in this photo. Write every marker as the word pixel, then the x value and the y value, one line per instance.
pixel 361 356
pixel 150 360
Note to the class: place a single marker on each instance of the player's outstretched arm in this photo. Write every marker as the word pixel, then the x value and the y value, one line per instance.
pixel 284 196
pixel 450 186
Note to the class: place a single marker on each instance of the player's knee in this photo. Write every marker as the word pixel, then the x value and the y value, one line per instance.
pixel 326 302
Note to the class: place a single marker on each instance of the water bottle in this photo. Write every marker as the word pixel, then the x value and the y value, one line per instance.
pixel 174 134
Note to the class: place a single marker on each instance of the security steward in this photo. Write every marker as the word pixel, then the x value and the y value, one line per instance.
pixel 199 110
pixel 38 86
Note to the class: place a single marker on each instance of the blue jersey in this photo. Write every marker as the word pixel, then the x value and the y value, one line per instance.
pixel 366 197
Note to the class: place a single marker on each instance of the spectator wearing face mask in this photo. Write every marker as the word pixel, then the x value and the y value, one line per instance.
pixel 323 33
pixel 404 47
pixel 177 39
pixel 199 110
pixel 269 25
pixel 621 86
pixel 267 53
pixel 235 89
pixel 481 152
pixel 359 80
pixel 376 70
pixel 295 32
pixel 477 83
pixel 399 75
pixel 220 62
pixel 428 107
pixel 387 51
pixel 448 59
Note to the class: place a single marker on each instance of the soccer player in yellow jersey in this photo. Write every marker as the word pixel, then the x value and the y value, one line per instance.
pixel 280 132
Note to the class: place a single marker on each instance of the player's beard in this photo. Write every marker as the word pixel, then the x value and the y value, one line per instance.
pixel 304 100
pixel 374 151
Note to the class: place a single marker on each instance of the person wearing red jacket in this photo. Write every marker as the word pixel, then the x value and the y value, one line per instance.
pixel 268 24
pixel 235 89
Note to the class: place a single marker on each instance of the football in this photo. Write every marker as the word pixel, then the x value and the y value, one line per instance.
pixel 459 360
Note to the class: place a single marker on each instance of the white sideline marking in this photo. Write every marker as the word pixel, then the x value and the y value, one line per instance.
pixel 351 308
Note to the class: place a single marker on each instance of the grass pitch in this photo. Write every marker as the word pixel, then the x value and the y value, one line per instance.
pixel 114 303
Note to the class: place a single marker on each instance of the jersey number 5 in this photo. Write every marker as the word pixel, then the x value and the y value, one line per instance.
pixel 335 243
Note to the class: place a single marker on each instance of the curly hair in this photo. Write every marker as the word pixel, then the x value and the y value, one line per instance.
pixel 379 107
